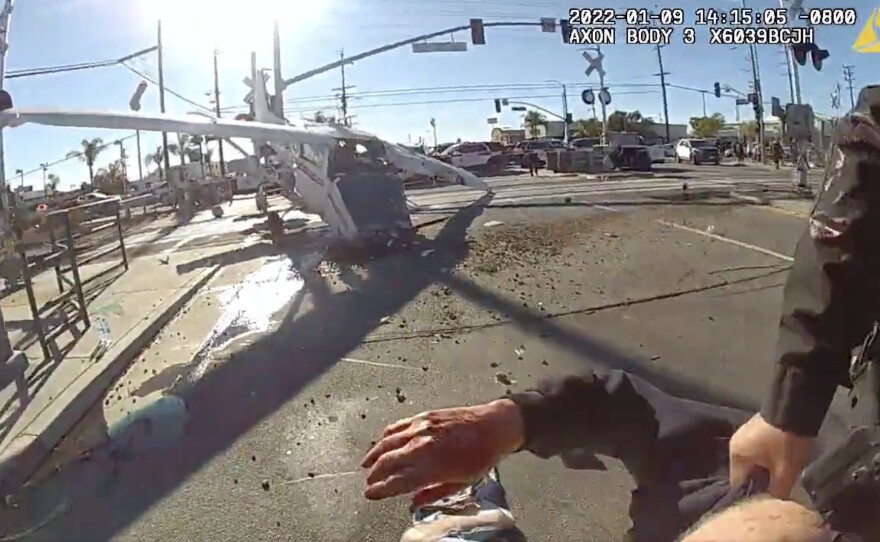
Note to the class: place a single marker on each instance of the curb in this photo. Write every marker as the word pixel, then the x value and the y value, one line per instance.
pixel 756 200
pixel 26 452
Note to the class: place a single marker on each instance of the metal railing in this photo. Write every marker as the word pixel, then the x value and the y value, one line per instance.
pixel 66 258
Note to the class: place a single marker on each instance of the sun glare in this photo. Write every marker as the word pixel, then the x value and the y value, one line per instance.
pixel 231 25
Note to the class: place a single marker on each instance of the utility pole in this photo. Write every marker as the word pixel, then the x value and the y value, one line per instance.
pixel 5 19
pixel 792 65
pixel 137 136
pixel 850 79
pixel 663 75
pixel 788 68
pixel 434 129
pixel 122 160
pixel 703 94
pixel 166 157
pixel 45 168
pixel 343 91
pixel 217 110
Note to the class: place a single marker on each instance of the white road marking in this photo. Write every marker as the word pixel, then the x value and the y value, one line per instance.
pixel 379 364
pixel 715 236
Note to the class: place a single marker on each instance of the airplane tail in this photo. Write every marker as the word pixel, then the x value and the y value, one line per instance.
pixel 262 111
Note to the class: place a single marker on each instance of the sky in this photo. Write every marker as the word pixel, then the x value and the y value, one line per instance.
pixel 393 94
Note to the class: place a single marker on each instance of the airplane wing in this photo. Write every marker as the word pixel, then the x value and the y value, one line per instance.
pixel 194 125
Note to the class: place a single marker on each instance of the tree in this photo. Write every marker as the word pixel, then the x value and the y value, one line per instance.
pixel 628 121
pixel 587 128
pixel 532 120
pixel 156 157
pixel 52 182
pixel 707 126
pixel 91 148
pixel 322 118
pixel 181 148
pixel 111 179
pixel 748 130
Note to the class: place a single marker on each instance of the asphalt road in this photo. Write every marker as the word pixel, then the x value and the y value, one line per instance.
pixel 275 427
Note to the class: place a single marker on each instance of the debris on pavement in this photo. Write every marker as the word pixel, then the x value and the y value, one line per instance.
pixel 504 379
pixel 491 223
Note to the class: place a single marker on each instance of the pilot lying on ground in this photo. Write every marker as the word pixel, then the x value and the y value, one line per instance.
pixel 675 449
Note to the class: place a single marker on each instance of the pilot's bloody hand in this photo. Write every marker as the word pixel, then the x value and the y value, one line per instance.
pixel 436 453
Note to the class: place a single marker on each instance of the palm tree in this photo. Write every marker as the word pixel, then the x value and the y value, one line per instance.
pixel 111 179
pixel 156 157
pixel 89 153
pixel 587 128
pixel 532 120
pixel 52 181
pixel 181 148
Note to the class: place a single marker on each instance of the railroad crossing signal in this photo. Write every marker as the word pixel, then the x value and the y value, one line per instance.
pixel 717 90
pixel 588 97
pixel 595 63
pixel 817 55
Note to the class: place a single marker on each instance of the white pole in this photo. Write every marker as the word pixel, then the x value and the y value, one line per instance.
pixel 5 18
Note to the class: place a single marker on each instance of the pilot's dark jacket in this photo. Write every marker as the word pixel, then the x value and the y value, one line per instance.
pixel 675 449
pixel 833 290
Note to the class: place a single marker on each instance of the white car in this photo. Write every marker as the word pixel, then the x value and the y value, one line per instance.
pixel 474 155
pixel 697 151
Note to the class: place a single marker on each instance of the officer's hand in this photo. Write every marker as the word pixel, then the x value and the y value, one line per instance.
pixel 439 452
pixel 759 444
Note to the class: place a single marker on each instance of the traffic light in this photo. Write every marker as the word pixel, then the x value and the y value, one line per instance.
pixel 776 108
pixel 565 29
pixel 478 33
pixel 498 106
pixel 717 90
pixel 569 118
pixel 817 55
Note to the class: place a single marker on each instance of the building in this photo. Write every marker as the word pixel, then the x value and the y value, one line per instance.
pixel 508 136
pixel 676 131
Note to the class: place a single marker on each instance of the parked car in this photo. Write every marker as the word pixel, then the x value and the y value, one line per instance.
pixel 697 151
pixel 538 146
pixel 475 155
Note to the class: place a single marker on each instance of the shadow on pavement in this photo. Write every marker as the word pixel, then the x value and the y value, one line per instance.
pixel 258 380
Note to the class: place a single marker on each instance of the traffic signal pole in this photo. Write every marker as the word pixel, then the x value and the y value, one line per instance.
pixel 397 44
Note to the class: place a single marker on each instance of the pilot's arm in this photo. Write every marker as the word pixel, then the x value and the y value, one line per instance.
pixel 831 296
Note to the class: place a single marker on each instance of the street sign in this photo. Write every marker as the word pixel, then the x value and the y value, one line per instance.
pixel 588 97
pixel 742 101
pixel 492 120
pixel 518 108
pixel 548 25
pixel 440 47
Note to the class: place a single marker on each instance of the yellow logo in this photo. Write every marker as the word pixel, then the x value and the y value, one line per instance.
pixel 867 41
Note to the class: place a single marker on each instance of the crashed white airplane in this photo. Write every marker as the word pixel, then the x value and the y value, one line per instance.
pixel 352 179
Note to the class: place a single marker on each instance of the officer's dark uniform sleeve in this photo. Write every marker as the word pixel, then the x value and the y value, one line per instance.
pixel 605 413
pixel 831 295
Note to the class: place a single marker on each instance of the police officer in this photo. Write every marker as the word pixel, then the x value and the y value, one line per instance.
pixel 830 303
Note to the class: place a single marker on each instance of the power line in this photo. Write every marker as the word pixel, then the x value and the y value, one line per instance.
pixel 72 156
pixel 452 100
pixel 168 90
